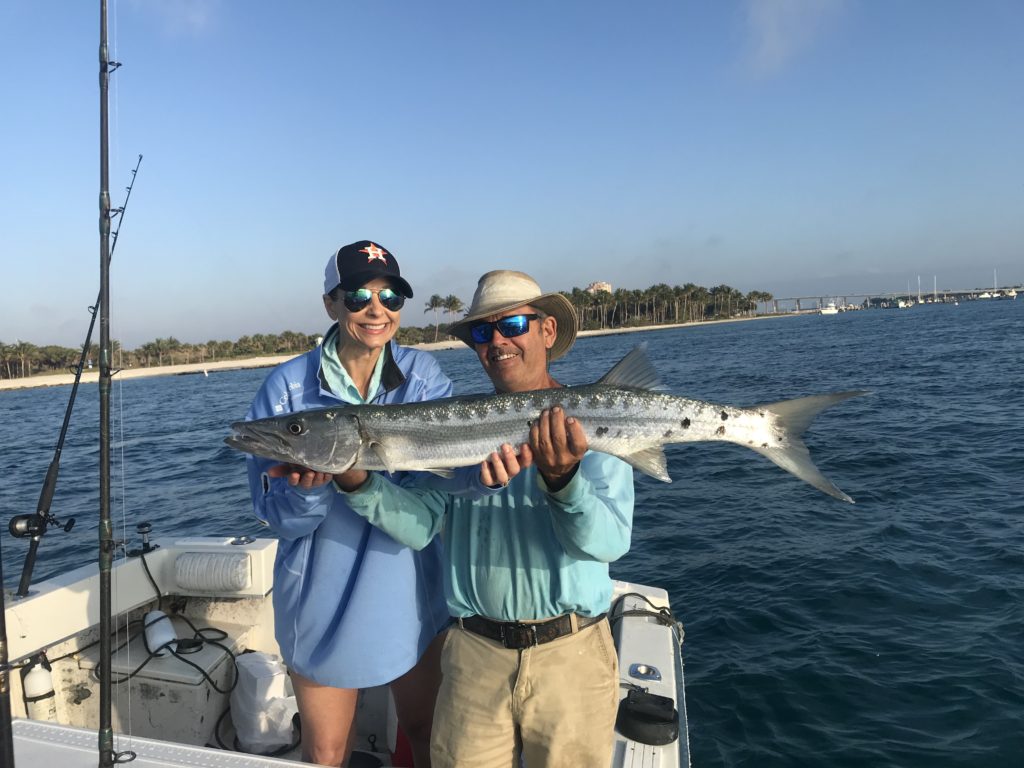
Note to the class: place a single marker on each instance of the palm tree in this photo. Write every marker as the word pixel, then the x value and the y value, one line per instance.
pixel 453 305
pixel 5 358
pixel 581 300
pixel 435 304
pixel 602 299
pixel 25 352
pixel 662 296
pixel 621 298
pixel 700 297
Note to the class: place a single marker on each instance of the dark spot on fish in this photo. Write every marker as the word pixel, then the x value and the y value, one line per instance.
pixel 668 433
pixel 764 445
pixel 720 431
pixel 685 423
pixel 725 416
pixel 619 433
pixel 602 431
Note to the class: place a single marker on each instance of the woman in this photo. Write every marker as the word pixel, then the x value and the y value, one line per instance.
pixel 352 607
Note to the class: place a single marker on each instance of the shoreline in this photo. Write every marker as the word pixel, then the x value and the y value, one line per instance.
pixel 268 361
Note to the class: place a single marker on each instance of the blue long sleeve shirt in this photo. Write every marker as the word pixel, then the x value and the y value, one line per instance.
pixel 520 553
pixel 352 607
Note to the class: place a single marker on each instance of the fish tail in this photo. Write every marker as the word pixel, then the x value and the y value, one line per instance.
pixel 793 417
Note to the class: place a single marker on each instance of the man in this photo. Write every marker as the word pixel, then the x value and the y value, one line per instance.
pixel 530 668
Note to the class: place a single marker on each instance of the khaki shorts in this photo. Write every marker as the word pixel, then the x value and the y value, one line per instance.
pixel 553 704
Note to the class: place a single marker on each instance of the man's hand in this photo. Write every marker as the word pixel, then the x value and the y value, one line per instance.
pixel 501 466
pixel 558 442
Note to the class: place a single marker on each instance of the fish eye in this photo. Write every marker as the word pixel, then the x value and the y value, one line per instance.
pixel 296 427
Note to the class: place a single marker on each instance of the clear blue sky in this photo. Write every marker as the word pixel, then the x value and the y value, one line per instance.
pixel 804 147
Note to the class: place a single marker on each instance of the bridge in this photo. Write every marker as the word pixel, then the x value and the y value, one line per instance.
pixel 813 303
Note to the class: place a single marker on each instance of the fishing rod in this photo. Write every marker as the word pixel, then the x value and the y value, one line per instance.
pixel 105 730
pixel 35 525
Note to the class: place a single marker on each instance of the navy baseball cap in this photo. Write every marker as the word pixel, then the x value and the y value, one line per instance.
pixel 353 266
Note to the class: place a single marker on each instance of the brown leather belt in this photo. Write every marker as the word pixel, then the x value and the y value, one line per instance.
pixel 516 635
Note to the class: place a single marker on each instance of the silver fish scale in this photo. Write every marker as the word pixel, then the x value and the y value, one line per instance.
pixel 617 420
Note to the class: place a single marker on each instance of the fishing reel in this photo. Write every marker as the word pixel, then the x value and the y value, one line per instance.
pixel 143 529
pixel 37 524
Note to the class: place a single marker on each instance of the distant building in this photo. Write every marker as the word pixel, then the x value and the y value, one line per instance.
pixel 598 286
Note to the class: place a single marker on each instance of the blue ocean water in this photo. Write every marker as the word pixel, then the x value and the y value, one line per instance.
pixel 886 633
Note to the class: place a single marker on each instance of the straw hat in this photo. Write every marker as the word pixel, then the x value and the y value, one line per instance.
pixel 505 289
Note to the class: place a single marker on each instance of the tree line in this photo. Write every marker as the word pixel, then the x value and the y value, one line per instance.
pixel 659 304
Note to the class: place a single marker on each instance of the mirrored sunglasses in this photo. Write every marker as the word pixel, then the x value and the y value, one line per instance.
pixel 359 299
pixel 510 327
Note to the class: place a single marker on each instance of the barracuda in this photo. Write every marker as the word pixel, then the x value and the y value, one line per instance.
pixel 625 414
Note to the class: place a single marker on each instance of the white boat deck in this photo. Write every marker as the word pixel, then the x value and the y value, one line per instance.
pixel 38 744
pixel 174 709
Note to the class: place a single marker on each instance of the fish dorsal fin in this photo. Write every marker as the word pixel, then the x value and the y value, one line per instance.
pixel 650 461
pixel 634 371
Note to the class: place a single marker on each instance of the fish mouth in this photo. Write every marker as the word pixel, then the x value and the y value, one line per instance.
pixel 269 443
pixel 250 438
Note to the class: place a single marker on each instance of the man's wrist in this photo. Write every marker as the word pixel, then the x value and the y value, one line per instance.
pixel 558 482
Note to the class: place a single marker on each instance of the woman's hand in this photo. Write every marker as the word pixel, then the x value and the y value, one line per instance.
pixel 502 465
pixel 303 477
pixel 307 478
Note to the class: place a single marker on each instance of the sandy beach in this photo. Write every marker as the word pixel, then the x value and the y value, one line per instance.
pixel 92 376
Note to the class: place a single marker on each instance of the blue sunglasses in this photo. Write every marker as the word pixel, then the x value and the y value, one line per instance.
pixel 359 299
pixel 510 327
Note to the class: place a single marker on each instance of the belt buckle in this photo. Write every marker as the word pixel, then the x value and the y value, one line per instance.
pixel 517 637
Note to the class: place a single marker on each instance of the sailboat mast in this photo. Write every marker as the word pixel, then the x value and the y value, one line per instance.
pixel 106 539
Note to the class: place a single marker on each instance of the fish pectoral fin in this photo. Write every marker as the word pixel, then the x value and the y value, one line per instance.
pixel 447 474
pixel 382 454
pixel 650 461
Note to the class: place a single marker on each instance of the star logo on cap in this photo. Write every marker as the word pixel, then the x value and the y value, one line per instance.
pixel 374 252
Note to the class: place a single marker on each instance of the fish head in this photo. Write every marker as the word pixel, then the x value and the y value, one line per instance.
pixel 322 439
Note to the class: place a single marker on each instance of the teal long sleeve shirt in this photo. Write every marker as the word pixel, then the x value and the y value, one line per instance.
pixel 520 553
